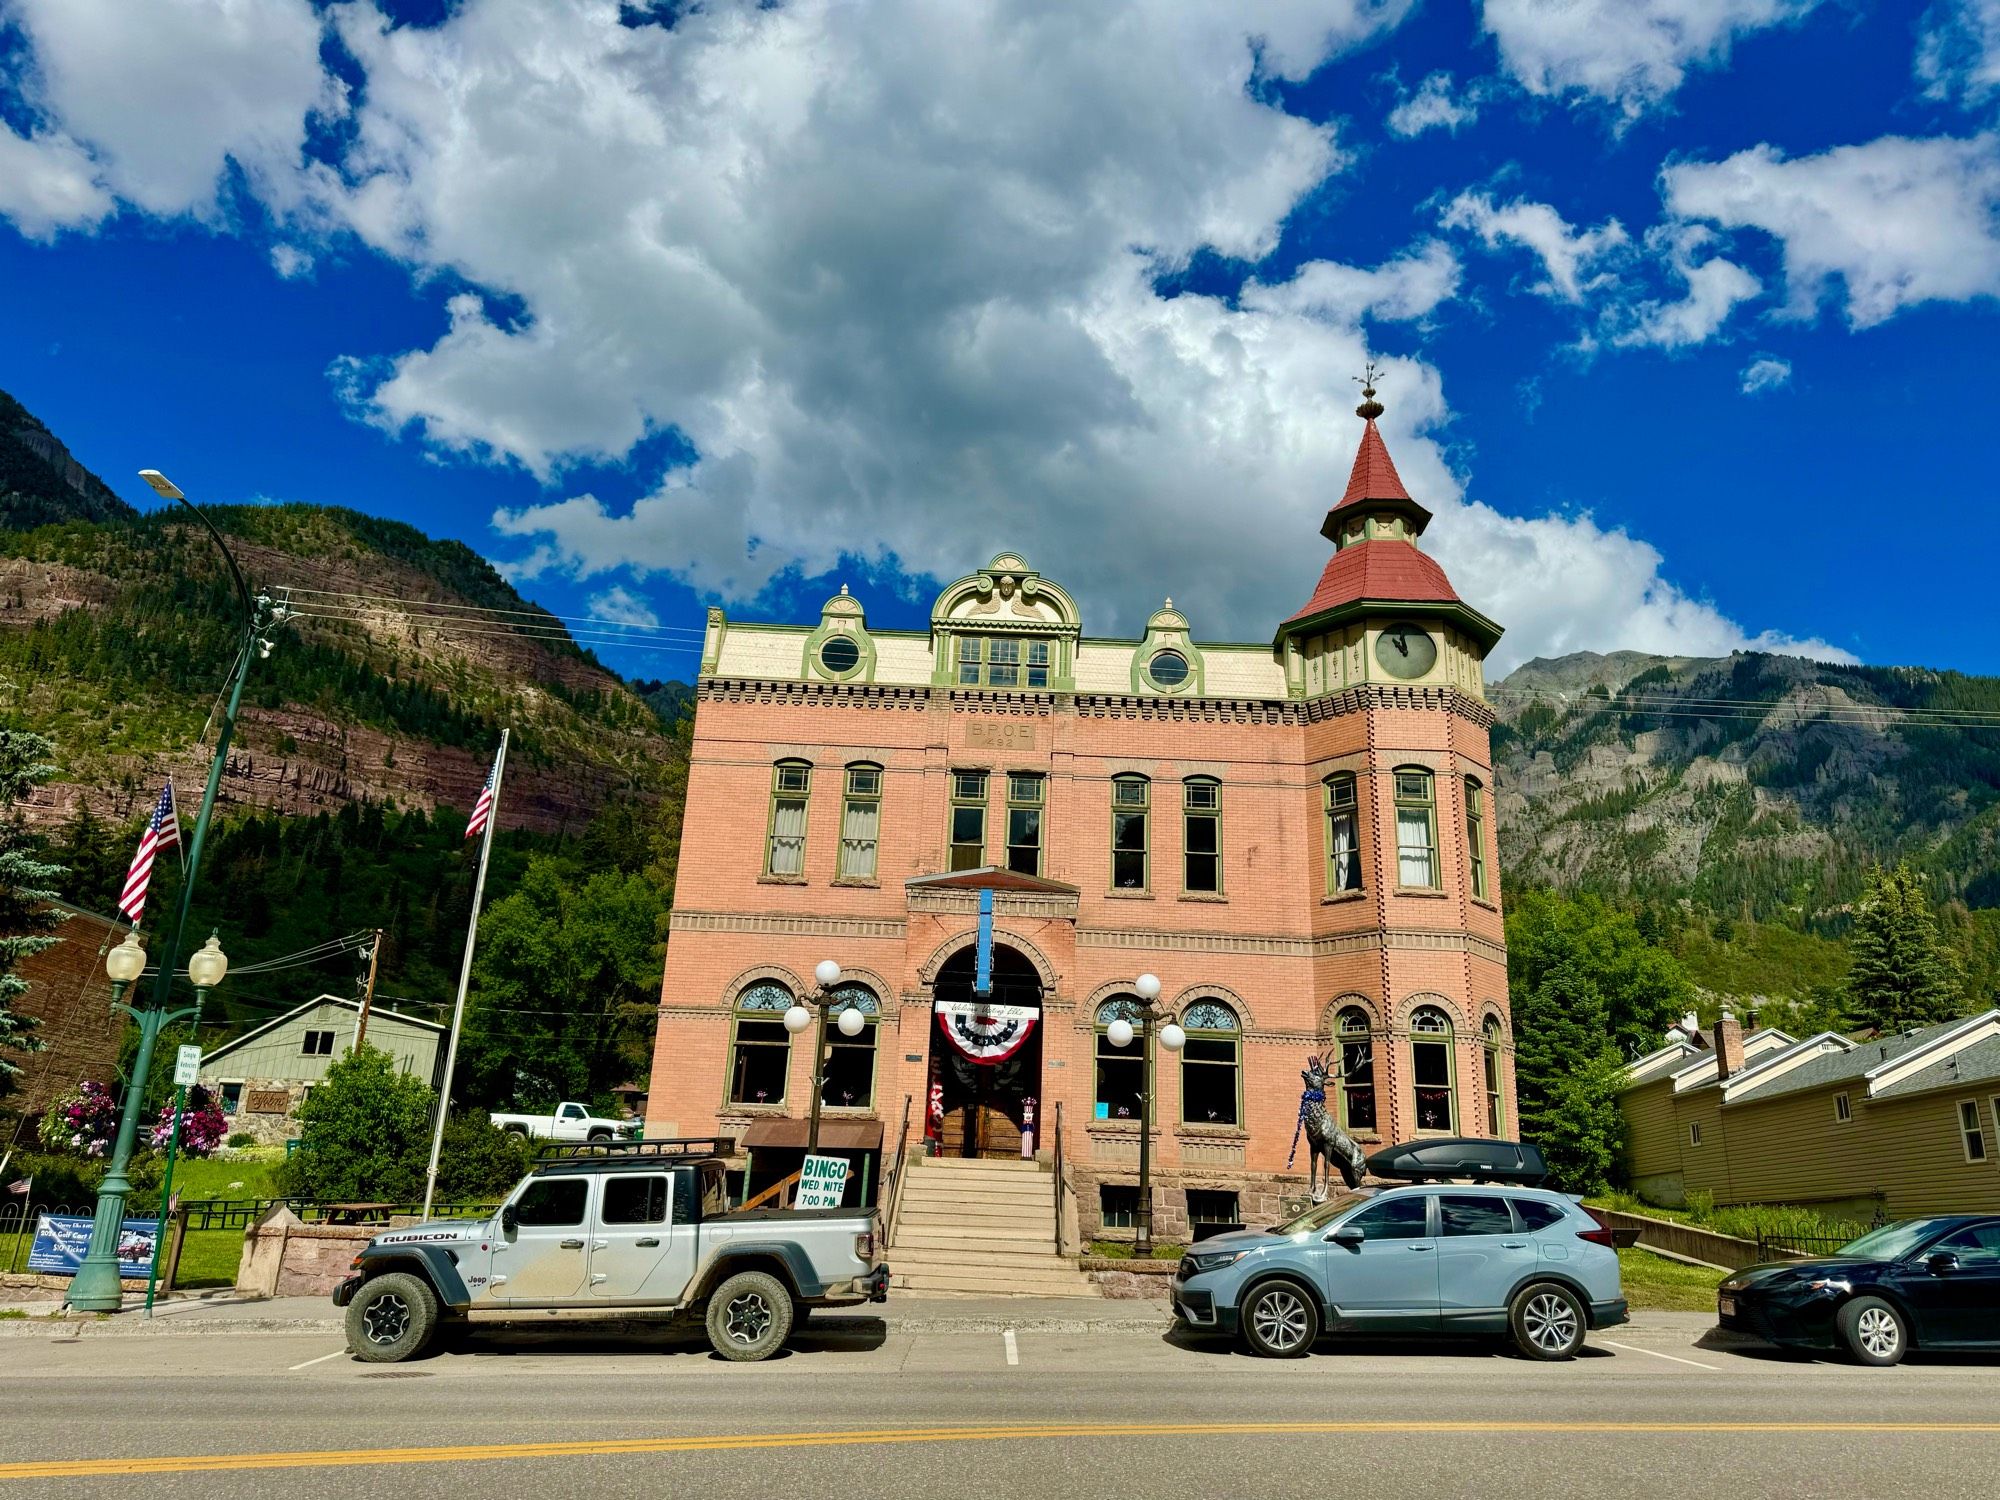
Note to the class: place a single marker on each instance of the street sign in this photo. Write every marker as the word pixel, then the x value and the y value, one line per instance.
pixel 187 1066
pixel 822 1182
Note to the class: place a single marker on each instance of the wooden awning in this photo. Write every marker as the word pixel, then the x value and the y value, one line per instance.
pixel 789 1132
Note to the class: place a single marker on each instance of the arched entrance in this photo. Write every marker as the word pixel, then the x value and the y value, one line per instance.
pixel 988 1103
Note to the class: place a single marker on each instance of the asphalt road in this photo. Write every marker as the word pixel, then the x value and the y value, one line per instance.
pixel 860 1408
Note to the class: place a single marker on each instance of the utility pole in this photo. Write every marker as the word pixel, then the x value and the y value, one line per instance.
pixel 368 994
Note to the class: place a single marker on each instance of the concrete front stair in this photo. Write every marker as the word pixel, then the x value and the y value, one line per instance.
pixel 981 1227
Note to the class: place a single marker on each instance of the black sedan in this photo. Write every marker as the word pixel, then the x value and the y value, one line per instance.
pixel 1920 1284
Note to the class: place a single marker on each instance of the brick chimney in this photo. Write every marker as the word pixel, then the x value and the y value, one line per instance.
pixel 1728 1046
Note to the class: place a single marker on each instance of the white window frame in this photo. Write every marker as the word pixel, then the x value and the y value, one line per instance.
pixel 1694 1133
pixel 1843 1109
pixel 1976 1131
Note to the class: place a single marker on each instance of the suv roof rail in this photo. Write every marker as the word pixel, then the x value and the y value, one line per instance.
pixel 640 1150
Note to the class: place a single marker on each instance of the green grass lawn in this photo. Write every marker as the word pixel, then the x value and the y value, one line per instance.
pixel 1655 1284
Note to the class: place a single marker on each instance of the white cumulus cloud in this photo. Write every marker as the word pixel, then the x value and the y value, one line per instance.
pixel 1632 54
pixel 1714 287
pixel 1766 373
pixel 49 183
pixel 892 271
pixel 1567 254
pixel 1434 106
pixel 1894 221
pixel 1958 50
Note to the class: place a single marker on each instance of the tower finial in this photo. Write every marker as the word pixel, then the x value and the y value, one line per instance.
pixel 1370 408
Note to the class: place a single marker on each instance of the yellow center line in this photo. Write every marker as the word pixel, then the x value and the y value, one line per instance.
pixel 336 1458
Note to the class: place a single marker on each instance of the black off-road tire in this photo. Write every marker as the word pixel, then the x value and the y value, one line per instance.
pixel 1874 1332
pixel 1280 1321
pixel 749 1316
pixel 392 1317
pixel 1547 1321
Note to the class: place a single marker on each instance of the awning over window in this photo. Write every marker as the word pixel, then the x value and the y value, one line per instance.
pixel 789 1133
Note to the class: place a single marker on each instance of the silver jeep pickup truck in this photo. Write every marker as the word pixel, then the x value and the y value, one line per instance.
pixel 637 1229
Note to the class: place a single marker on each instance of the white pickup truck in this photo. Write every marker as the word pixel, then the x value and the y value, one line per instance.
pixel 570 1122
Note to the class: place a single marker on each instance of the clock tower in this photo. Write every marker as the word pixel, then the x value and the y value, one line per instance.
pixel 1387 665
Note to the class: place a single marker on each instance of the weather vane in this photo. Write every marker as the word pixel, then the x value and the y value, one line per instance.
pixel 1369 408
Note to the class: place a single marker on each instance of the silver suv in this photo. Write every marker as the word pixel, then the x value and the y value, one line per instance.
pixel 1435 1259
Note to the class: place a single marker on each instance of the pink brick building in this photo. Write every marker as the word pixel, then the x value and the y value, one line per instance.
pixel 1296 836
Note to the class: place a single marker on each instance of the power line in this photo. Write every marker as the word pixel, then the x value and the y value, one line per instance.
pixel 1666 705
pixel 482 609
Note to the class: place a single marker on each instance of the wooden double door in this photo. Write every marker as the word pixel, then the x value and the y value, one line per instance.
pixel 987 1105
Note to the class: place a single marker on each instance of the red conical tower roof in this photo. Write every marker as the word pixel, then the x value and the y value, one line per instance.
pixel 1373 483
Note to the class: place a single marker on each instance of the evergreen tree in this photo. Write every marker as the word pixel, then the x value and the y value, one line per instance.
pixel 27 885
pixel 1567 1071
pixel 1903 974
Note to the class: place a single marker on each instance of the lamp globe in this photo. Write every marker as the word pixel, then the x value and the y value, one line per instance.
pixel 1119 1033
pixel 852 1021
pixel 827 973
pixel 1172 1037
pixel 797 1019
pixel 1148 987
pixel 208 964
pixel 127 961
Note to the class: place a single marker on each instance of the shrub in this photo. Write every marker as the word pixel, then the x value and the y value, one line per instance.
pixel 240 1138
pixel 478 1159
pixel 366 1134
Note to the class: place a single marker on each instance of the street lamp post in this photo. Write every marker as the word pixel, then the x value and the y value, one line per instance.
pixel 206 967
pixel 1120 1033
pixel 95 1287
pixel 851 1022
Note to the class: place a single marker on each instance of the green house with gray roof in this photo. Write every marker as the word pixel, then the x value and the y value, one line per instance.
pixel 1900 1125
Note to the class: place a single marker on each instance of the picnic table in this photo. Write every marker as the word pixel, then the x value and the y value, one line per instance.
pixel 358 1213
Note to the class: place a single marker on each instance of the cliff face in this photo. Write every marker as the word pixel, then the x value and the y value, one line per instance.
pixel 40 483
pixel 1765 785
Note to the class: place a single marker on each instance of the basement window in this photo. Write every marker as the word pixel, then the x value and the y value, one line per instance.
pixel 1117 1205
pixel 1212 1206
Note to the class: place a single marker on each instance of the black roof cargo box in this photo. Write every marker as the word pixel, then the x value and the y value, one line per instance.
pixel 1461 1158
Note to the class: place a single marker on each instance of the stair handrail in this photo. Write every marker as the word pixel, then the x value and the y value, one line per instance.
pixel 896 1176
pixel 775 1190
pixel 1059 1177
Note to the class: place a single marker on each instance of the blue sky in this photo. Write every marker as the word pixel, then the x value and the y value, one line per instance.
pixel 742 302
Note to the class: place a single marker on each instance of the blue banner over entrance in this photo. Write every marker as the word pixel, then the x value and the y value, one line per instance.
pixel 982 974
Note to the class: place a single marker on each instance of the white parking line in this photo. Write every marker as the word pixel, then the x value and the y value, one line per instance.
pixel 321 1360
pixel 1013 1349
pixel 1635 1349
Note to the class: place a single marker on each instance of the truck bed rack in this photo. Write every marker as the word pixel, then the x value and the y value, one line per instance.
pixel 641 1150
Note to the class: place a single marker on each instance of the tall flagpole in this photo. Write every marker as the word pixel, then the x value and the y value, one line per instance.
pixel 464 977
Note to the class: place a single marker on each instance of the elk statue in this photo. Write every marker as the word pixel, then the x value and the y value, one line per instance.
pixel 1324 1137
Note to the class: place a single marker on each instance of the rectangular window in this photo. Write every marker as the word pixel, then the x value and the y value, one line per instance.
pixel 968 819
pixel 1416 830
pixel 1343 843
pixel 861 823
pixel 232 1098
pixel 1209 1081
pixel 634 1200
pixel 791 784
pixel 1025 795
pixel 1694 1132
pixel 761 1058
pixel 850 1070
pixel 1130 800
pixel 316 1044
pixel 1970 1130
pixel 1121 1079
pixel 1201 836
pixel 1117 1206
pixel 1475 835
pixel 1357 1081
pixel 1003 662
pixel 1212 1206
pixel 1843 1111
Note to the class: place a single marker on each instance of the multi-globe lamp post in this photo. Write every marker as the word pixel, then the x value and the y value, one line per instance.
pixel 850 1019
pixel 95 1287
pixel 1120 1034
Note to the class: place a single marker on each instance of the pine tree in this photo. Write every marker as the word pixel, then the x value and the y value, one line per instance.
pixel 1903 974
pixel 26 887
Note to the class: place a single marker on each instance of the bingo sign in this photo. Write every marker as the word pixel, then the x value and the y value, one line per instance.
pixel 62 1241
pixel 822 1182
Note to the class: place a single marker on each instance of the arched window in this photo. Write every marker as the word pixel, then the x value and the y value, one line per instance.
pixel 850 1060
pixel 1475 835
pixel 791 786
pixel 760 1049
pixel 1356 1079
pixel 1431 1070
pixel 1343 834
pixel 1416 828
pixel 1494 1110
pixel 861 822
pixel 1121 1071
pixel 1201 835
pixel 1131 799
pixel 1211 1065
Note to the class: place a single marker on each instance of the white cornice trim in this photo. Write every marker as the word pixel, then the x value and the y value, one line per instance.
pixel 1975 1029
pixel 1781 1063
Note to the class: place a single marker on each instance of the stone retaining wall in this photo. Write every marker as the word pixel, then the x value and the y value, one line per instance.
pixel 283 1256
pixel 1687 1240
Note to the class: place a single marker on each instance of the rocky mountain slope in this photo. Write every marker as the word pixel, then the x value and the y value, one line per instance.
pixel 1754 785
pixel 40 483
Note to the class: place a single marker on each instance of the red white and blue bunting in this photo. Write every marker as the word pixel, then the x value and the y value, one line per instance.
pixel 983 1032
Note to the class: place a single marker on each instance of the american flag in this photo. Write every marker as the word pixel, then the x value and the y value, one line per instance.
pixel 483 808
pixel 163 831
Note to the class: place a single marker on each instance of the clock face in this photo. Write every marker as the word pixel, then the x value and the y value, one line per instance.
pixel 1406 651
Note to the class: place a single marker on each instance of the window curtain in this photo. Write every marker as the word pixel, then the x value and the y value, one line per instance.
pixel 858 839
pixel 1346 868
pixel 788 839
pixel 1413 840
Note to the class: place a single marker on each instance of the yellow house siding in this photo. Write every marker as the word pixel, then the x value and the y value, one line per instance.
pixel 1652 1144
pixel 1923 1166
pixel 1704 1168
pixel 1792 1150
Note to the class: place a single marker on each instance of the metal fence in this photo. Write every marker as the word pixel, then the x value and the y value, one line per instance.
pixel 17 1228
pixel 1769 1245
